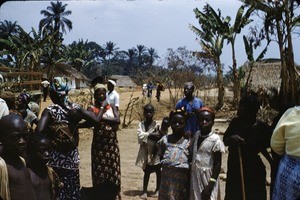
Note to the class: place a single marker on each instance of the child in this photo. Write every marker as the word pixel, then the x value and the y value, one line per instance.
pixel 206 161
pixel 173 150
pixel 148 135
pixel 45 181
pixel 15 177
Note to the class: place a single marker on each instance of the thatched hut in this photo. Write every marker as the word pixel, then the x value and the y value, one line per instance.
pixel 123 81
pixel 265 75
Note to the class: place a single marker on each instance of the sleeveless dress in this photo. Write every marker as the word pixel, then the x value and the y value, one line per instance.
pixel 106 172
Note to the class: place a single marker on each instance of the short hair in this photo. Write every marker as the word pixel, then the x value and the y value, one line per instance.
pixel 6 121
pixel 148 107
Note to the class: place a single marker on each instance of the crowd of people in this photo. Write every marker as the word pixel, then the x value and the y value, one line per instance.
pixel 39 157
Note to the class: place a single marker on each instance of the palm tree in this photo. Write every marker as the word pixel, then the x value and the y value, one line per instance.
pixel 141 49
pixel 110 50
pixel 55 18
pixel 152 55
pixel 53 22
pixel 230 33
pixel 131 55
pixel 211 42
pixel 8 29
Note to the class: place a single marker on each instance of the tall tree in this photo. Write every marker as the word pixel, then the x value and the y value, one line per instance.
pixel 151 56
pixel 211 42
pixel 55 22
pixel 141 50
pixel 230 33
pixel 110 49
pixel 280 20
pixel 8 29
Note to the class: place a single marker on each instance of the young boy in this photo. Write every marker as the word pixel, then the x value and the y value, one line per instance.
pixel 148 135
pixel 45 181
pixel 15 177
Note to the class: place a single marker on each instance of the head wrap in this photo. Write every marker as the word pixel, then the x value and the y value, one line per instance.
pixel 60 86
pixel 112 82
pixel 98 86
pixel 208 110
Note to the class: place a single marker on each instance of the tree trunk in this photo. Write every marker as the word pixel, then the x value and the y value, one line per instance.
pixel 236 82
pixel 220 83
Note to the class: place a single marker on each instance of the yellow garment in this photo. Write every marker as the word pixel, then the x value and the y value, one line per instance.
pixel 286 135
pixel 4 185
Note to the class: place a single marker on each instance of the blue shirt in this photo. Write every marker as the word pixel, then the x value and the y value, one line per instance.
pixel 190 107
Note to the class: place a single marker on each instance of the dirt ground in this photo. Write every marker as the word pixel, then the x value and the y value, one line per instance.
pixel 131 175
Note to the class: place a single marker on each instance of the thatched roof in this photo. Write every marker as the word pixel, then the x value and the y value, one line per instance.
pixel 123 81
pixel 69 71
pixel 265 75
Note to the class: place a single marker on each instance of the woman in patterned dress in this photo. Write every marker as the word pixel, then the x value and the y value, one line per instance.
pixel 106 173
pixel 59 121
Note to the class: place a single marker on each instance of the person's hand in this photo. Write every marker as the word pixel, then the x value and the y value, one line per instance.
pixel 206 193
pixel 238 140
pixel 187 134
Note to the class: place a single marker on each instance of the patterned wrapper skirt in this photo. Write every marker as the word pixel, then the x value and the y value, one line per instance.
pixel 174 184
pixel 287 183
pixel 106 172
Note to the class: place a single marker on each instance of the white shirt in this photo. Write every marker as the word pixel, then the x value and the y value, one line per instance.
pixel 113 98
pixel 45 83
pixel 3 108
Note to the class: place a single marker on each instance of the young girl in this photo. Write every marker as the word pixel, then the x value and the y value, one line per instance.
pixel 206 161
pixel 174 154
pixel 148 131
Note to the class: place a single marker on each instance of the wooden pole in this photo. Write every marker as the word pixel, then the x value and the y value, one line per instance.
pixel 242 173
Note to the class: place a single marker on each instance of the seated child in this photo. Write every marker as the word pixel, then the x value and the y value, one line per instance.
pixel 15 176
pixel 45 181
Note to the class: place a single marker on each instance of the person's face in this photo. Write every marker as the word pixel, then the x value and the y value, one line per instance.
pixel 206 121
pixel 178 123
pixel 188 90
pixel 42 150
pixel 58 97
pixel 110 86
pixel 100 95
pixel 16 139
pixel 148 113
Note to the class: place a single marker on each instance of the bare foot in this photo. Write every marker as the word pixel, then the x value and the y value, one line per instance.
pixel 144 196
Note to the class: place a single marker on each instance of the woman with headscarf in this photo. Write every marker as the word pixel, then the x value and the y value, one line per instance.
pixel 59 121
pixel 104 117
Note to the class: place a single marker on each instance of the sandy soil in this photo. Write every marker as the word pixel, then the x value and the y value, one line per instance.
pixel 132 176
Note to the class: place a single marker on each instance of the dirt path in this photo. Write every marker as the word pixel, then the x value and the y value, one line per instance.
pixel 132 176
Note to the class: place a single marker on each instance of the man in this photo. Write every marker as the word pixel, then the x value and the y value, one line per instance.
pixel 190 104
pixel 112 96
pixel 3 108
pixel 45 85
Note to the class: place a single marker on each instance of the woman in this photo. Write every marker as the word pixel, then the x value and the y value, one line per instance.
pixel 285 142
pixel 245 138
pixel 59 121
pixel 106 173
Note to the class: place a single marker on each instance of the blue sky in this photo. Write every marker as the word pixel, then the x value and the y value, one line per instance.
pixel 159 24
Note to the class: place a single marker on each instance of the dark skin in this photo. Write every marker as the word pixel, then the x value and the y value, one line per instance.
pixel 178 122
pixel 111 88
pixel 14 144
pixel 39 155
pixel 188 91
pixel 100 102
pixel 206 122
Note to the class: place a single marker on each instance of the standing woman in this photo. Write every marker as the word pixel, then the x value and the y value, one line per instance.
pixel 59 121
pixel 104 117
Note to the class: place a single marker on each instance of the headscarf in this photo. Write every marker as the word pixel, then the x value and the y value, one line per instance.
pixel 98 86
pixel 208 110
pixel 60 86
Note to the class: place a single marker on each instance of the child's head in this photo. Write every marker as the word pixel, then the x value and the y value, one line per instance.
pixel 165 123
pixel 178 119
pixel 206 118
pixel 13 134
pixel 39 147
pixel 148 112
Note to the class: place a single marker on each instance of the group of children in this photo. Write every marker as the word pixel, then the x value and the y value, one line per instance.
pixel 185 167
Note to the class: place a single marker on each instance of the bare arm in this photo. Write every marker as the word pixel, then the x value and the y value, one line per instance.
pixel 44 122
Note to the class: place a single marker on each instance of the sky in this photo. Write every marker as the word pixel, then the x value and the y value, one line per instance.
pixel 160 24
